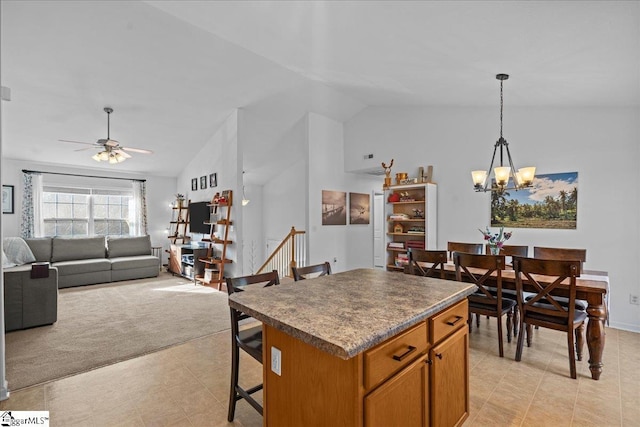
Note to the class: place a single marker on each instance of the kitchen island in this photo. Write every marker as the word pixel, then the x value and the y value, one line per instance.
pixel 363 348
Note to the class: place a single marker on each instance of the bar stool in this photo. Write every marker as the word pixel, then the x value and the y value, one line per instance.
pixel 247 339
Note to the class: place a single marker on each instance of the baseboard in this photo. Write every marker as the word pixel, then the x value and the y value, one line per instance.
pixel 4 391
pixel 625 326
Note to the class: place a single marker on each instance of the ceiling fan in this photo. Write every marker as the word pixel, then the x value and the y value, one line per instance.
pixel 112 151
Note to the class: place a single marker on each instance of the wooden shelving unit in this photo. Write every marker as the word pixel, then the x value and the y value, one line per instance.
pixel 178 227
pixel 402 216
pixel 218 241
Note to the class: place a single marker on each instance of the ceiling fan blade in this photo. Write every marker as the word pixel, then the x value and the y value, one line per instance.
pixel 124 154
pixel 137 150
pixel 77 142
pixel 87 148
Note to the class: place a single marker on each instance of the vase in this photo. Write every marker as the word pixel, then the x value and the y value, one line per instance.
pixel 495 250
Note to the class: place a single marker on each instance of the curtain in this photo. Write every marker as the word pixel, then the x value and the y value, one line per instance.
pixel 32 224
pixel 138 210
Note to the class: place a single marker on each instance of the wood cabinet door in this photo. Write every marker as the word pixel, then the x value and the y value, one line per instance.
pixel 402 401
pixel 450 380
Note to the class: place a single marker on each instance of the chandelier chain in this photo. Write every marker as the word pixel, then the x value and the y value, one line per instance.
pixel 501 102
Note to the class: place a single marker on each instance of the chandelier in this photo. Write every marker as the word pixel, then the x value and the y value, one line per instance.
pixel 523 178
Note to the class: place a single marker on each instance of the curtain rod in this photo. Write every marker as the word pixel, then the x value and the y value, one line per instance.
pixel 83 176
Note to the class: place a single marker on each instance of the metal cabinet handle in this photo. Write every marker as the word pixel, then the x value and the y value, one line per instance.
pixel 458 318
pixel 399 358
pixel 439 356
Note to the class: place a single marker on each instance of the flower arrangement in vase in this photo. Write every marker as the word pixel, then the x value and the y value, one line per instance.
pixel 495 240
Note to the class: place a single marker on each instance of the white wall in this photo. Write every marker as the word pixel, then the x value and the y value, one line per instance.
pixel 350 245
pixel 601 144
pixel 219 155
pixel 160 191
pixel 253 229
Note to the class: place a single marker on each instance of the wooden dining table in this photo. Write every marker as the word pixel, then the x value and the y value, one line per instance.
pixel 591 286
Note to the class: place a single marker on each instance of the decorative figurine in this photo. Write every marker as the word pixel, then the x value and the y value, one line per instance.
pixel 387 173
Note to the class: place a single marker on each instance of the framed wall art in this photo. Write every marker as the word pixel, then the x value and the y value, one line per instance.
pixel 213 180
pixel 7 199
pixel 334 207
pixel 359 208
pixel 203 182
pixel 551 202
pixel 194 184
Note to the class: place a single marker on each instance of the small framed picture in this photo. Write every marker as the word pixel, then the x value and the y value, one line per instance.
pixel 203 182
pixel 194 184
pixel 7 199
pixel 213 180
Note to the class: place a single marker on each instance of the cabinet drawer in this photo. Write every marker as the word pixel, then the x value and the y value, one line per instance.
pixel 391 356
pixel 448 321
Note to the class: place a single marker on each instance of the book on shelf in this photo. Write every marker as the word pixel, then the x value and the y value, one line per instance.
pixel 399 217
pixel 396 245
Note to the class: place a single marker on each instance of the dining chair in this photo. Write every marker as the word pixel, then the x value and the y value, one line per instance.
pixel 543 309
pixel 483 301
pixel 470 248
pixel 567 254
pixel 317 270
pixel 248 339
pixel 418 259
pixel 511 250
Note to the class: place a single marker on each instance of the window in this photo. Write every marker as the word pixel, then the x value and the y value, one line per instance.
pixel 78 212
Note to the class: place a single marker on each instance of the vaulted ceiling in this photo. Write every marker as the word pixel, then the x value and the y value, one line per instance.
pixel 174 70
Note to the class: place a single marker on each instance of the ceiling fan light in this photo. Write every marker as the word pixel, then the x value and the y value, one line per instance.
pixel 96 157
pixel 104 156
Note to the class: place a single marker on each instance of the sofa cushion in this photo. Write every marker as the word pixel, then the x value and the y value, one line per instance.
pixel 17 250
pixel 128 246
pixel 82 266
pixel 64 249
pixel 124 263
pixel 41 248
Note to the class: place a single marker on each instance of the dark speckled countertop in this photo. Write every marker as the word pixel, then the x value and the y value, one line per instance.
pixel 347 313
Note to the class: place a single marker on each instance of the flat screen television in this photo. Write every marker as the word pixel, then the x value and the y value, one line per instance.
pixel 198 215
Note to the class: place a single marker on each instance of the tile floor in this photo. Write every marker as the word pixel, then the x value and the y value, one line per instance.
pixel 187 385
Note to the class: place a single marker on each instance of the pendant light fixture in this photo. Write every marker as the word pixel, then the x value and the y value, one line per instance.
pixel 506 177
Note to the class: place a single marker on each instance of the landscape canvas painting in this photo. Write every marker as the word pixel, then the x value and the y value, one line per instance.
pixel 334 207
pixel 552 202
pixel 359 208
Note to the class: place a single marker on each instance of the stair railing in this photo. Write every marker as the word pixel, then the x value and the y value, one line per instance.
pixel 291 252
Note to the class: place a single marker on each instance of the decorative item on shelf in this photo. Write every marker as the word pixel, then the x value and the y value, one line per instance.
pixel 523 178
pixel 398 228
pixel 406 197
pixel 400 176
pixel 179 200
pixel 394 198
pixel 495 240
pixel 387 173
pixel 216 199
pixel 408 181
pixel 418 213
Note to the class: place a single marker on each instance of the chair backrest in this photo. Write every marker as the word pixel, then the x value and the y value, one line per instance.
pixel 564 254
pixel 238 284
pixel 544 277
pixel 317 270
pixel 470 248
pixel 437 259
pixel 487 266
pixel 511 250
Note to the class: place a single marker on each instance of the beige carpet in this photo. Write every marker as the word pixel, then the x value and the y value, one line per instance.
pixel 103 324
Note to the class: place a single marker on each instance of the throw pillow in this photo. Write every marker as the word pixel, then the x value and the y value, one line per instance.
pixel 17 250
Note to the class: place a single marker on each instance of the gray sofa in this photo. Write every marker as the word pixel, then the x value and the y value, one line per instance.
pixel 91 260
pixel 30 302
